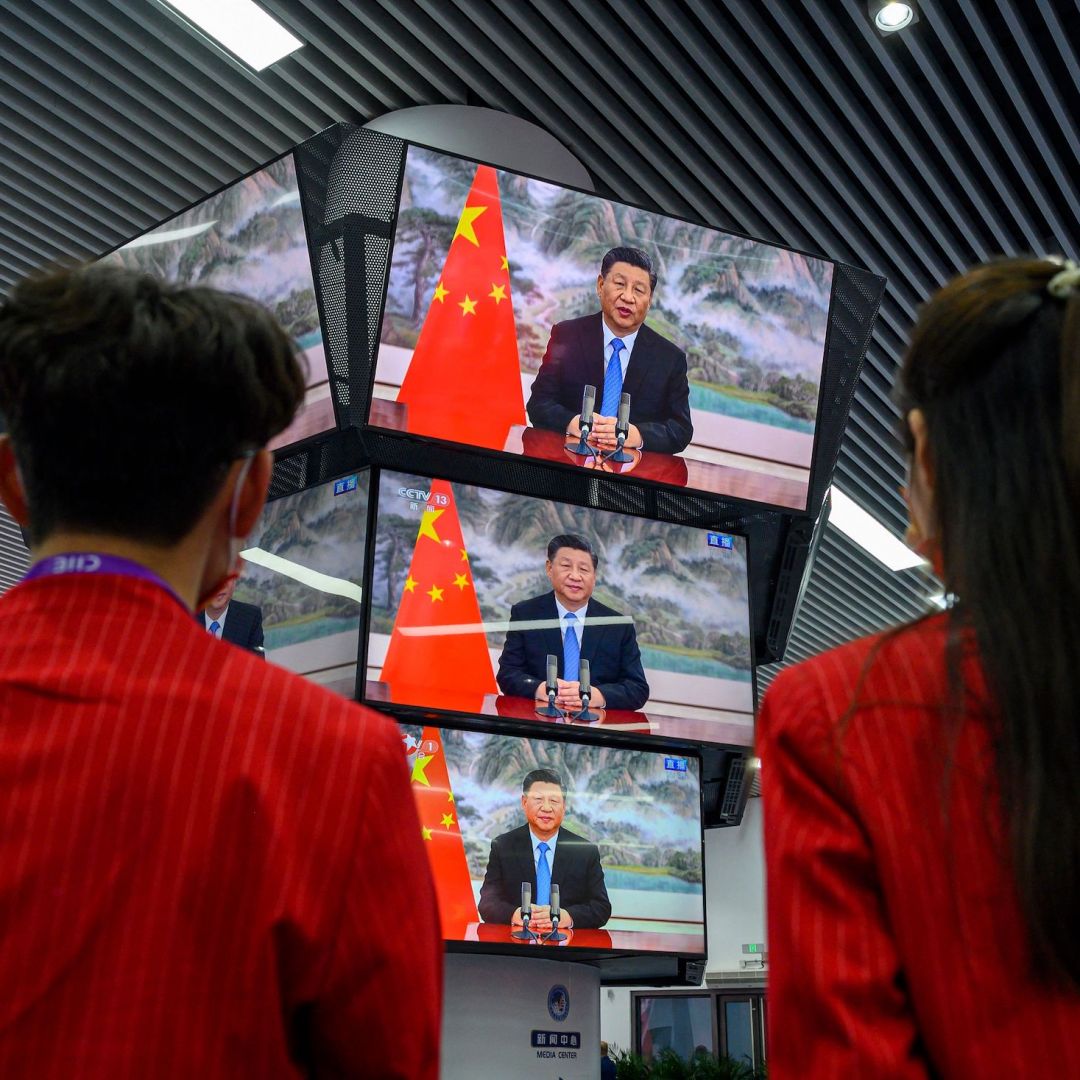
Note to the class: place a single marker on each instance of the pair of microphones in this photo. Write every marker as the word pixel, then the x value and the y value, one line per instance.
pixel 584 687
pixel 525 933
pixel 622 429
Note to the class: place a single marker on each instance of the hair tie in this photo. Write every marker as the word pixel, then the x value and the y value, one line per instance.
pixel 1061 285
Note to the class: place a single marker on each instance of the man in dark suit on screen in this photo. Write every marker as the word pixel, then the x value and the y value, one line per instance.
pixel 614 351
pixel 545 854
pixel 568 623
pixel 233 620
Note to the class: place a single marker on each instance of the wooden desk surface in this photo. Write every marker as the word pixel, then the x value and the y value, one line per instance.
pixel 722 731
pixel 672 469
pixel 621 940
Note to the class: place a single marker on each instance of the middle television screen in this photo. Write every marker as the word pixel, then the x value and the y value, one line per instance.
pixel 476 593
pixel 510 299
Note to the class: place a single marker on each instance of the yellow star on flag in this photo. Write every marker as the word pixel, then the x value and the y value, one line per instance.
pixel 440 292
pixel 468 307
pixel 498 293
pixel 461 581
pixel 505 263
pixel 427 525
pixel 425 832
pixel 464 555
pixel 447 820
pixel 435 593
pixel 410 583
pixel 449 796
pixel 419 765
pixel 465 224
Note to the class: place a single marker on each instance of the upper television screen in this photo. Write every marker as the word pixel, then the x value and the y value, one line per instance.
pixel 508 296
pixel 621 831
pixel 473 589
pixel 299 593
pixel 249 238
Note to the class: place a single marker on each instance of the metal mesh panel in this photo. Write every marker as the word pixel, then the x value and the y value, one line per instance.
pixel 316 463
pixel 350 182
pixel 734 797
pixel 855 301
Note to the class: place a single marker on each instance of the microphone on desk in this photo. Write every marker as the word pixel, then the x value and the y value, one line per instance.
pixel 551 709
pixel 556 915
pixel 586 692
pixel 588 402
pixel 622 429
pixel 525 934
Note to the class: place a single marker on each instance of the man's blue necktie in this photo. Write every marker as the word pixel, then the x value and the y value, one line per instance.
pixel 571 651
pixel 215 626
pixel 613 381
pixel 543 876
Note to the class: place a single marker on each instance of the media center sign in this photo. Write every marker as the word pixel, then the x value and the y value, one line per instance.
pixel 526 1018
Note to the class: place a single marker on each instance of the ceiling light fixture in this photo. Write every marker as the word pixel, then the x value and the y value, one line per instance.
pixel 855 523
pixel 889 16
pixel 314 579
pixel 241 27
pixel 166 236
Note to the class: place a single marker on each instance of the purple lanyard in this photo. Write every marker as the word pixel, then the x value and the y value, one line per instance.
pixel 91 562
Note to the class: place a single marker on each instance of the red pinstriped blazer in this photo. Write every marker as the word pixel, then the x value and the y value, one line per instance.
pixel 897 948
pixel 208 867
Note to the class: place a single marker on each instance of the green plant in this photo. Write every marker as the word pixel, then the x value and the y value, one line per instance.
pixel 669 1065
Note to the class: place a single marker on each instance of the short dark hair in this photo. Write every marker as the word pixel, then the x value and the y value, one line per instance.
pixel 632 255
pixel 571 540
pixel 541 776
pixel 127 398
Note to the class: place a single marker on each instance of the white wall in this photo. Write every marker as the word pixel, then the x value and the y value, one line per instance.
pixel 734 889
pixel 734 913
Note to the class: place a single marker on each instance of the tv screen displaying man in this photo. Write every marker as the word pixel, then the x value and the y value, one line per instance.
pixel 233 620
pixel 617 353
pixel 544 853
pixel 568 623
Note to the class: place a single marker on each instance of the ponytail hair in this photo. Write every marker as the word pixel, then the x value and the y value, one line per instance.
pixel 994 365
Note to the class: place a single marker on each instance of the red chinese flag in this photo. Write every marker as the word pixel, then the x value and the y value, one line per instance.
pixel 439 828
pixel 464 379
pixel 438 654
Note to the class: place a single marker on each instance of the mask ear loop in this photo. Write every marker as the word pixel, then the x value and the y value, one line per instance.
pixel 235 542
pixel 234 506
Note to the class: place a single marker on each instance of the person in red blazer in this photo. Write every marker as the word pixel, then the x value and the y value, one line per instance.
pixel 208 867
pixel 921 818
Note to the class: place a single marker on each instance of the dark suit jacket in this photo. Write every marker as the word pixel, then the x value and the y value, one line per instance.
pixel 612 651
pixel 575 869
pixel 243 624
pixel 655 380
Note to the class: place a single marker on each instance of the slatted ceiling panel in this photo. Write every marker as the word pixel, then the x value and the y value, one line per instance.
pixel 14 558
pixel 914 155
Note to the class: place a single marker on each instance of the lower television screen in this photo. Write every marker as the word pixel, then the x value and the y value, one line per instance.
pixel 470 596
pixel 622 829
pixel 301 581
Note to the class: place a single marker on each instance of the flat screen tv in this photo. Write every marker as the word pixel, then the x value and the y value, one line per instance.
pixel 303 570
pixel 500 315
pixel 623 837
pixel 472 589
pixel 250 238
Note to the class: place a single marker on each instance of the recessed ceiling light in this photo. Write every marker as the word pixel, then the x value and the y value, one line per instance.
pixel 890 15
pixel 855 523
pixel 241 27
